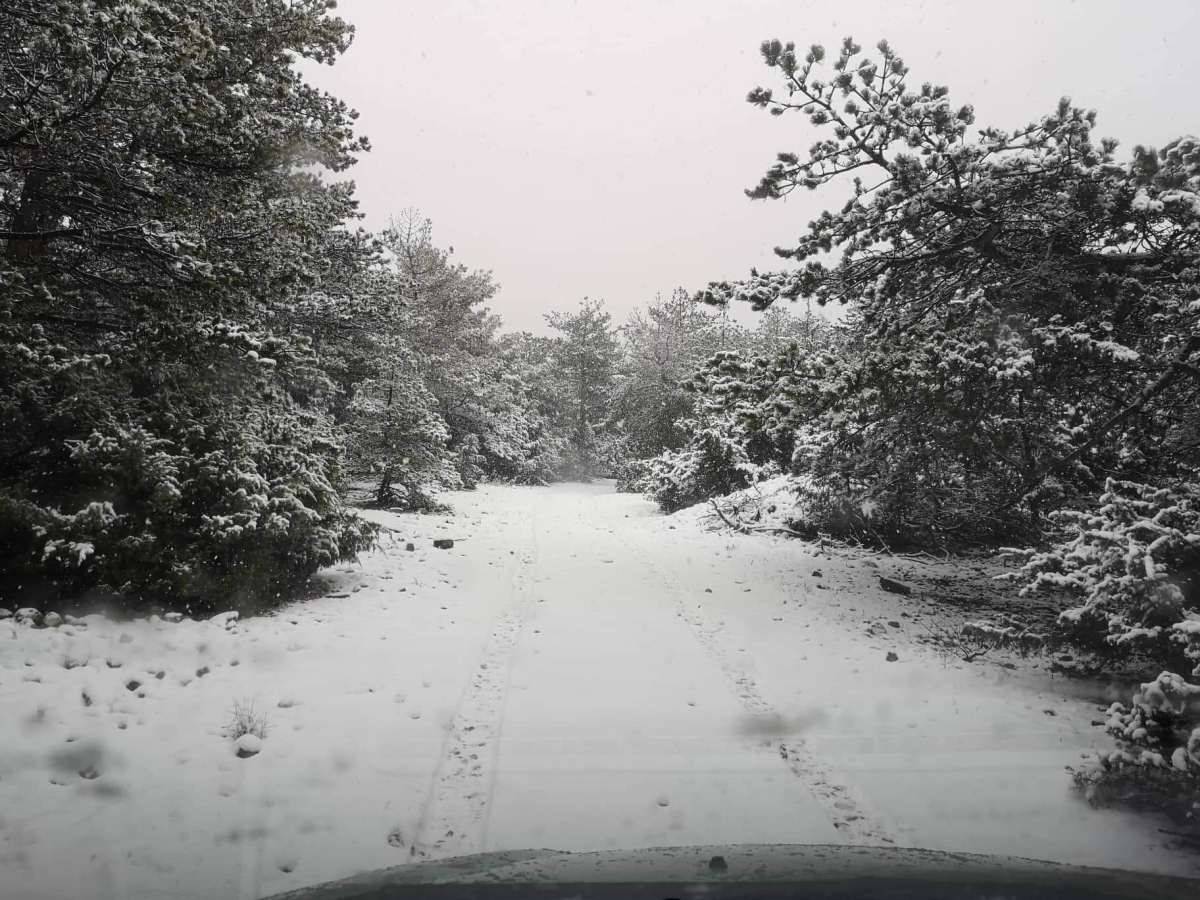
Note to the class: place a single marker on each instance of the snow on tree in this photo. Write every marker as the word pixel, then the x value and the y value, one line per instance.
pixel 586 356
pixel 661 347
pixel 1156 764
pixel 1134 564
pixel 529 438
pixel 161 211
pixel 432 397
pixel 998 285
pixel 748 420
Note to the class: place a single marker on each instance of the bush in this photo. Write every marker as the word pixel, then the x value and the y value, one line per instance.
pixel 633 476
pixel 239 517
pixel 537 461
pixel 398 437
pixel 147 476
pixel 715 462
pixel 1135 564
pixel 244 719
pixel 1156 764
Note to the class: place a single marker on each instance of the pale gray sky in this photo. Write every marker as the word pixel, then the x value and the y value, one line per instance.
pixel 601 147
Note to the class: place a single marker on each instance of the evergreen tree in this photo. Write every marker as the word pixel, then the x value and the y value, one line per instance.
pixel 661 347
pixel 532 430
pixel 998 287
pixel 160 210
pixel 585 355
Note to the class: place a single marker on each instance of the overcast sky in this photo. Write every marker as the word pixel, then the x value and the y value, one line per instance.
pixel 601 147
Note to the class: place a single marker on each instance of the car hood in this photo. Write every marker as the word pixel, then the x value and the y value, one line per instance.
pixel 775 870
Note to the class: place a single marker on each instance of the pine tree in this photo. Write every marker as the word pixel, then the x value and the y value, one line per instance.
pixel 585 355
pixel 161 211
pixel 998 286
pixel 661 346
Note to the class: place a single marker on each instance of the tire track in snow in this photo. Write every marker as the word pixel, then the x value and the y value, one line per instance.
pixel 454 818
pixel 846 807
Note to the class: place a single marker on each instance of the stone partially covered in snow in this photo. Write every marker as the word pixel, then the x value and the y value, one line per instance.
pixel 173 617
pixel 895 587
pixel 248 745
pixel 27 615
pixel 5 614
pixel 228 619
pixel 52 620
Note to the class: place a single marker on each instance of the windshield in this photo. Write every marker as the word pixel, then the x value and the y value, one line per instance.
pixel 442 428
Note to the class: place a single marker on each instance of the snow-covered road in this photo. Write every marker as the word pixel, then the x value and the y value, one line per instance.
pixel 577 672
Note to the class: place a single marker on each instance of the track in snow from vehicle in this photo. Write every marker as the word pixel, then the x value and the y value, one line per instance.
pixel 454 818
pixel 846 808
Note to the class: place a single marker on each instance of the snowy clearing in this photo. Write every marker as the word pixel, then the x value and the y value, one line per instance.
pixel 576 672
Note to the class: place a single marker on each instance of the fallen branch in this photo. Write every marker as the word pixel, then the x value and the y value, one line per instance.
pixel 776 529
pixel 966 646
pixel 736 526
pixel 743 528
pixel 916 557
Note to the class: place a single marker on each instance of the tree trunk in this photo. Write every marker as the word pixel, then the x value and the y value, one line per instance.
pixel 30 217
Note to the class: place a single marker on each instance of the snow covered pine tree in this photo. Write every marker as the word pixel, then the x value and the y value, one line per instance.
pixel 159 211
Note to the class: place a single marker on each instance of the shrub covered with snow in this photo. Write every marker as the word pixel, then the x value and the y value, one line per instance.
pixel 1157 759
pixel 1134 564
pixel 714 463
pixel 398 436
pixel 738 434
pixel 215 487
pixel 245 721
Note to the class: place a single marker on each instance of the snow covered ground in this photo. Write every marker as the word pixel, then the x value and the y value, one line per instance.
pixel 577 672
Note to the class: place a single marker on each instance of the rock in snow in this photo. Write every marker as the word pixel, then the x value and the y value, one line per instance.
pixel 27 615
pixel 5 614
pixel 248 745
pixel 443 543
pixel 52 620
pixel 896 587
